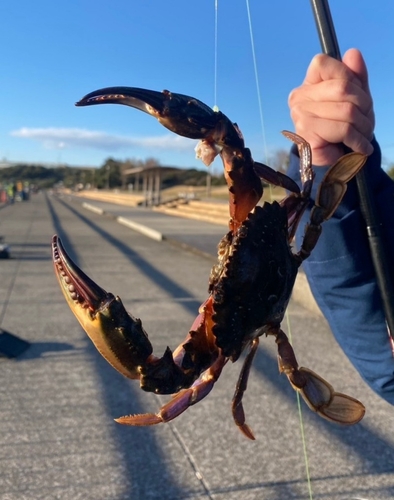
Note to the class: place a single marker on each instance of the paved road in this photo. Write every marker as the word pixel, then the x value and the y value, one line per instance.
pixel 58 399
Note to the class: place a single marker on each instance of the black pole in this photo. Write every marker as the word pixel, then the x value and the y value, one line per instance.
pixel 329 44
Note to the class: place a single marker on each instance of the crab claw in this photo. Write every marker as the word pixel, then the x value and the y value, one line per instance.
pixel 182 114
pixel 118 336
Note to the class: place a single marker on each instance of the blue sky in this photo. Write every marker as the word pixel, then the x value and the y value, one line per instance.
pixel 53 53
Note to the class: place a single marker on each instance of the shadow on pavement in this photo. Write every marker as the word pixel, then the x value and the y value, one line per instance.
pixel 42 349
pixel 143 460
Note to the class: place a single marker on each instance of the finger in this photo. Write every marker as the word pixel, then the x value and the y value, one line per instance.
pixel 322 132
pixel 323 67
pixel 354 60
pixel 344 112
pixel 333 91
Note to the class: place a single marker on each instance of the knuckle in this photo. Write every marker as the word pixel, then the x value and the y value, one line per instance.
pixel 295 113
pixel 347 130
pixel 303 131
pixel 349 111
pixel 293 97
pixel 344 89
pixel 357 145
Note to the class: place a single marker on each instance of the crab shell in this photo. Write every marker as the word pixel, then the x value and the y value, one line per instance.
pixel 252 288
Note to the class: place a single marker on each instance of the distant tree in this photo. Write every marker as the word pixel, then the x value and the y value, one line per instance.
pixel 125 166
pixel 280 160
pixel 151 162
pixel 390 171
pixel 218 180
pixel 111 173
pixel 108 175
pixel 34 174
pixel 185 177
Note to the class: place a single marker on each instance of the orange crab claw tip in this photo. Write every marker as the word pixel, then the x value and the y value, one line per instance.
pixel 343 410
pixel 247 431
pixel 140 420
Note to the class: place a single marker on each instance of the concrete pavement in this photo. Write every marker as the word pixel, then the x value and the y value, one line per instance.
pixel 58 399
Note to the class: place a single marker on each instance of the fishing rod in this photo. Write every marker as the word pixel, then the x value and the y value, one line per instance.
pixel 329 45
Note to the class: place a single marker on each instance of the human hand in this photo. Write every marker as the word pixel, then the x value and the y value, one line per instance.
pixel 333 107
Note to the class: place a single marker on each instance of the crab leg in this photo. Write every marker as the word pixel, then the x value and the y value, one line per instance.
pixel 296 202
pixel 330 193
pixel 318 394
pixel 182 400
pixel 237 406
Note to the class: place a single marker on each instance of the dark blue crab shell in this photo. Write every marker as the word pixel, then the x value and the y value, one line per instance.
pixel 256 282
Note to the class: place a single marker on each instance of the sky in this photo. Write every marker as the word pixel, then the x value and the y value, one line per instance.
pixel 53 53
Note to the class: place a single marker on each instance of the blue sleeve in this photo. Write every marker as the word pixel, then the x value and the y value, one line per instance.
pixel 342 279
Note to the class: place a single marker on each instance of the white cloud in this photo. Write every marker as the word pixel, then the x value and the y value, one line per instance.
pixel 60 138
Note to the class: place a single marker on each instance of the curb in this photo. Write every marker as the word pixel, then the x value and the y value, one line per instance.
pixel 140 228
pixel 147 231
pixel 94 209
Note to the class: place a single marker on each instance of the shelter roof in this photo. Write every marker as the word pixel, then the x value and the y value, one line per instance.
pixel 152 169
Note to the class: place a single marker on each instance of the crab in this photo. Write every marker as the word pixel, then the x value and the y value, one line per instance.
pixel 249 287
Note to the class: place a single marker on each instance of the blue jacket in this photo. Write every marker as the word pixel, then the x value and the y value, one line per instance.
pixel 342 279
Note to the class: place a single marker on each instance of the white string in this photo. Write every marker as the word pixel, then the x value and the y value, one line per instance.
pixel 301 419
pixel 287 314
pixel 215 84
pixel 266 160
pixel 257 83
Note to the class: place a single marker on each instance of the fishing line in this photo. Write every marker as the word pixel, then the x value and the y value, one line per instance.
pixel 215 83
pixel 257 83
pixel 301 420
pixel 260 106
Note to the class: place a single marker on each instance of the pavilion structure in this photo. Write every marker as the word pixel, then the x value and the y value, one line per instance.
pixel 149 180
